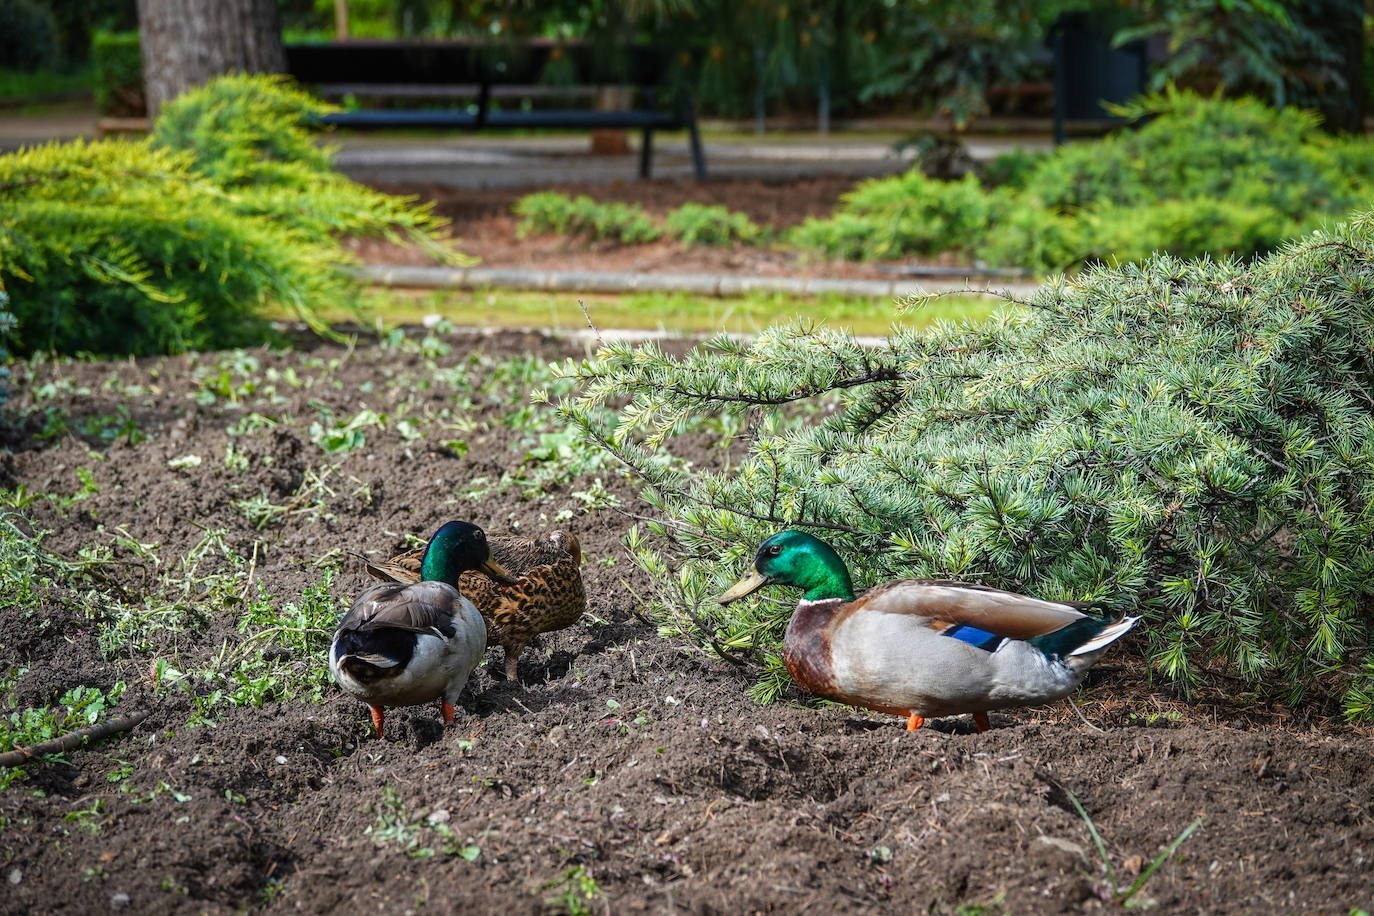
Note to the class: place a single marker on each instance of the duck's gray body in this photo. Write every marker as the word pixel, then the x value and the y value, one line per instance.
pixel 402 645
pixel 892 649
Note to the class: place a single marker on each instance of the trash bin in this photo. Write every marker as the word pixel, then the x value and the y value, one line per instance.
pixel 1088 71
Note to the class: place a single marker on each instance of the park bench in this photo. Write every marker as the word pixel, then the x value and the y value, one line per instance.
pixel 507 82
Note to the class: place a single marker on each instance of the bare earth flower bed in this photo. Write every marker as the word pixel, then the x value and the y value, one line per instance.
pixel 486 229
pixel 624 773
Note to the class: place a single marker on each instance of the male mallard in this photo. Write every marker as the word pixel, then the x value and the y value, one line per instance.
pixel 922 648
pixel 546 595
pixel 404 644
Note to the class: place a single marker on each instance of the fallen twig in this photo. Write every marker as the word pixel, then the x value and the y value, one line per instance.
pixel 71 740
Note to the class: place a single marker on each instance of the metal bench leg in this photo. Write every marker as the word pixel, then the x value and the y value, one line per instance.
pixel 646 154
pixel 694 138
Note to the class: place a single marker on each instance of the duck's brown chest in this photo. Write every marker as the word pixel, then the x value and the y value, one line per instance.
pixel 807 651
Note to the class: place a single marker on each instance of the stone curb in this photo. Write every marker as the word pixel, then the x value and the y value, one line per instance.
pixel 723 285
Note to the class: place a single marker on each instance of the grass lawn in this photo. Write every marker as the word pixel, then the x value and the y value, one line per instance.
pixel 673 312
pixel 18 86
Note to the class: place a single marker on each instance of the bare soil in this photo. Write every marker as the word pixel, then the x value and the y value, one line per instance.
pixel 634 758
pixel 484 227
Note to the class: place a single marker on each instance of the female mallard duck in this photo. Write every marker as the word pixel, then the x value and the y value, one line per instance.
pixel 546 595
pixel 404 644
pixel 923 648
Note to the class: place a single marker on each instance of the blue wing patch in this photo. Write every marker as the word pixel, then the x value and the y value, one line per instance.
pixel 980 639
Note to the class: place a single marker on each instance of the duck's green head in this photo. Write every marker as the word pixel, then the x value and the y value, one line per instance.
pixel 456 548
pixel 797 559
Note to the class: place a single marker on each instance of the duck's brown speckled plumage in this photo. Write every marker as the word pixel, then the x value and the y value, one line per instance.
pixel 548 594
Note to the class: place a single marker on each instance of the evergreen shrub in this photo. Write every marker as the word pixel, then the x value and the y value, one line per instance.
pixel 908 214
pixel 1203 176
pixel 1189 440
pixel 189 239
pixel 6 328
pixel 555 213
pixel 694 223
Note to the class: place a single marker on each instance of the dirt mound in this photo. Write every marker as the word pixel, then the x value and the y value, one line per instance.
pixel 624 772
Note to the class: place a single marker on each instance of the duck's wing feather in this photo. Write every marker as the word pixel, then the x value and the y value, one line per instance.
pixel 522 555
pixel 422 607
pixel 970 612
pixel 547 595
pixel 403 568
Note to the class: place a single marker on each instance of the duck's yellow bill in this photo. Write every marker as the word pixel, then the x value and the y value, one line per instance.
pixel 497 571
pixel 746 586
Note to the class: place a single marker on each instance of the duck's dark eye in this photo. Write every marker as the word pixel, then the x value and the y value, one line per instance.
pixel 775 549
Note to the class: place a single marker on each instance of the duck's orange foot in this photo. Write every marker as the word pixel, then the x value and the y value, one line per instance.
pixel 446 710
pixel 914 722
pixel 980 719
pixel 377 716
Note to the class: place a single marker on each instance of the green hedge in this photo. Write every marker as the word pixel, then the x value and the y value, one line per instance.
pixel 118 64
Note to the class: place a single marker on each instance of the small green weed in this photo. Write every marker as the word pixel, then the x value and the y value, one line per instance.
pixel 78 708
pixel 1116 892
pixel 395 826
pixel 336 436
pixel 575 893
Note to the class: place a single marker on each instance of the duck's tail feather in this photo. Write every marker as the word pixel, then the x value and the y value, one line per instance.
pixel 1106 637
pixel 1081 642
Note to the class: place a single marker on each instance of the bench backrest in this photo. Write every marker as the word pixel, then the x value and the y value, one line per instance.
pixel 484 62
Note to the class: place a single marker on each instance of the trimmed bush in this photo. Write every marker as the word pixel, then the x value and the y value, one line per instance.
pixel 118 63
pixel 1189 440
pixel 188 240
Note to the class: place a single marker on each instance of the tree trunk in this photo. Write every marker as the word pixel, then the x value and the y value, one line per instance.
pixel 186 42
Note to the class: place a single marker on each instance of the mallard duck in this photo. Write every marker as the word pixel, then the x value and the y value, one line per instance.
pixel 402 644
pixel 547 594
pixel 922 648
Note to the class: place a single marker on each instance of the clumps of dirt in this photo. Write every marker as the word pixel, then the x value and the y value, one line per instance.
pixel 622 772
pixel 278 463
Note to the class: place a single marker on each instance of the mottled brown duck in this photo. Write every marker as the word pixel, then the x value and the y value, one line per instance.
pixel 547 593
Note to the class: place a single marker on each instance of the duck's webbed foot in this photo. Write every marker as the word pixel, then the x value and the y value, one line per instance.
pixel 378 715
pixel 914 722
pixel 446 710
pixel 980 719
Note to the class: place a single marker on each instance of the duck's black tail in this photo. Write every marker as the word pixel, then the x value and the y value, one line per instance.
pixel 1081 642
